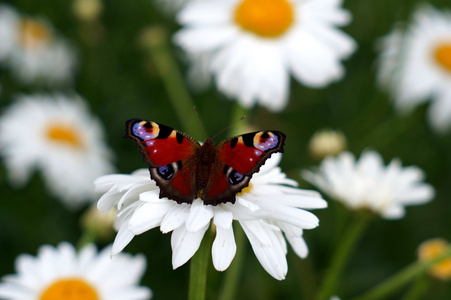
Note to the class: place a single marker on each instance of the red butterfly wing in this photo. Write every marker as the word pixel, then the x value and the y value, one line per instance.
pixel 169 154
pixel 237 159
pixel 160 144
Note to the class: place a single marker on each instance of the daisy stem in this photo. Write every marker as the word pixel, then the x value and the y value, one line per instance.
pixel 232 275
pixel 237 113
pixel 341 256
pixel 88 236
pixel 198 271
pixel 155 39
pixel 418 289
pixel 401 278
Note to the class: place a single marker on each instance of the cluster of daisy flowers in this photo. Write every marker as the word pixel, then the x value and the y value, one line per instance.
pixel 33 51
pixel 249 49
pixel 56 134
pixel 415 64
pixel 52 132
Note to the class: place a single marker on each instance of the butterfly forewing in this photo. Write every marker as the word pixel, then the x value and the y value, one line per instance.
pixel 169 154
pixel 160 144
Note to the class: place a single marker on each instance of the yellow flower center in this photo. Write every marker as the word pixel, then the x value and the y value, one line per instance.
pixel 200 194
pixel 442 56
pixel 70 289
pixel 245 190
pixel 63 134
pixel 432 249
pixel 266 18
pixel 34 33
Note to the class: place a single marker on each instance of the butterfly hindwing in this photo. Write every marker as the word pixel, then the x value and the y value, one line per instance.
pixel 179 187
pixel 168 152
pixel 238 158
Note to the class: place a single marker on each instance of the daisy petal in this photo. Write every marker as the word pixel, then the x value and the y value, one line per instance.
pixel 184 244
pixel 175 217
pixel 148 216
pixel 123 238
pixel 269 252
pixel 199 217
pixel 224 248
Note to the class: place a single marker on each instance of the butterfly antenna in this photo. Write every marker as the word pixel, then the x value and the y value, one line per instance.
pixel 200 121
pixel 240 119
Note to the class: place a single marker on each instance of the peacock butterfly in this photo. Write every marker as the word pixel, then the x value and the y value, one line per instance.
pixel 185 170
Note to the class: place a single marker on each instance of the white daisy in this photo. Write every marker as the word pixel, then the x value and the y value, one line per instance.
pixel 368 184
pixel 269 211
pixel 62 273
pixel 56 134
pixel 253 45
pixel 33 51
pixel 415 64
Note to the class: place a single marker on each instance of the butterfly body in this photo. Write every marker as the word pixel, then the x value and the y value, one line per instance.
pixel 185 170
pixel 204 163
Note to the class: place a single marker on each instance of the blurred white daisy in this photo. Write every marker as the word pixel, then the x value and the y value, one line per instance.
pixel 369 184
pixel 252 46
pixel 415 64
pixel 269 211
pixel 56 134
pixel 33 51
pixel 62 273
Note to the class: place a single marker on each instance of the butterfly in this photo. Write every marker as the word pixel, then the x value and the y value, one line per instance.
pixel 185 170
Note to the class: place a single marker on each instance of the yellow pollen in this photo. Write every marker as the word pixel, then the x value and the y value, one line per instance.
pixel 64 135
pixel 442 56
pixel 432 249
pixel 245 190
pixel 34 33
pixel 70 289
pixel 266 18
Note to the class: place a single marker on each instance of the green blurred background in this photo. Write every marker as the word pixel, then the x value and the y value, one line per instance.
pixel 120 81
